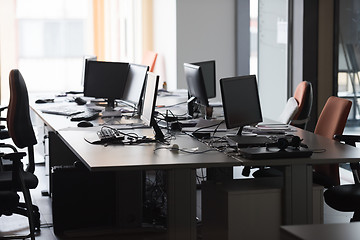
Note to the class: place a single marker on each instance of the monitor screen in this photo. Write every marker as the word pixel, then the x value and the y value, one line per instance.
pixel 209 75
pixel 150 94
pixel 135 84
pixel 105 80
pixel 195 83
pixel 241 102
pixel 85 60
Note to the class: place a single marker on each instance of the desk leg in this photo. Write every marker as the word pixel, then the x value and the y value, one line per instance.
pixel 182 204
pixel 298 195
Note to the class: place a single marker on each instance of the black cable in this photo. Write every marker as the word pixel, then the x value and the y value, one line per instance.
pixel 209 126
pixel 172 105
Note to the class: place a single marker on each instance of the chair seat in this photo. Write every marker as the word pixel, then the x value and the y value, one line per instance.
pixel 31 181
pixel 344 198
pixel 9 201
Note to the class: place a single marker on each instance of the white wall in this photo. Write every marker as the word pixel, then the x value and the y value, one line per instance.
pixel 165 40
pixel 192 31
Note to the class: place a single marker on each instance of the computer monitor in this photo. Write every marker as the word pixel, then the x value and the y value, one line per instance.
pixel 135 83
pixel 105 80
pixel 150 94
pixel 209 75
pixel 85 60
pixel 241 102
pixel 196 84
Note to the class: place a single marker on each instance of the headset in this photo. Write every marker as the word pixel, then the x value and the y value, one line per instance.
pixel 285 142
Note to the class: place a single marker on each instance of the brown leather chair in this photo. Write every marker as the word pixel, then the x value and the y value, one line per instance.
pixel 23 136
pixel 331 122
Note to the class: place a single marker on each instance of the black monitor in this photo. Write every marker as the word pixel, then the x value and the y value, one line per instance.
pixel 209 75
pixel 135 83
pixel 150 94
pixel 85 60
pixel 196 84
pixel 105 80
pixel 241 102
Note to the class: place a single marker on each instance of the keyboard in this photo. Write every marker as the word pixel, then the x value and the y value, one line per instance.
pixel 249 141
pixel 87 115
pixel 64 110
pixel 109 134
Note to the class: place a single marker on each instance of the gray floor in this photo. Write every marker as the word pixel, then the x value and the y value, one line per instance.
pixel 18 224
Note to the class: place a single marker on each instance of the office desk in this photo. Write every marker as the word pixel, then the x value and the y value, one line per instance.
pixel 179 166
pixel 298 173
pixel 181 169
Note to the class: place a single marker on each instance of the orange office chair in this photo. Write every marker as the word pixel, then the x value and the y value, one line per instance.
pixel 331 122
pixel 149 59
pixel 304 96
pixel 22 134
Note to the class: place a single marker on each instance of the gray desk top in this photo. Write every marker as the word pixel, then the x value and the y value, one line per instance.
pixel 143 156
pixel 348 231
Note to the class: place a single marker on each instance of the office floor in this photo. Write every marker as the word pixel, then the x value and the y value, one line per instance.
pixel 19 225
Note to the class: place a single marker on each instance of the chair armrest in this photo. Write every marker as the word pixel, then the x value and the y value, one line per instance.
pixel 15 156
pixel 351 140
pixel 348 139
pixel 2 108
pixel 5 145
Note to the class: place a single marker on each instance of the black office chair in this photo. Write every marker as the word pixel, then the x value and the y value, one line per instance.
pixel 22 134
pixel 346 198
pixel 9 201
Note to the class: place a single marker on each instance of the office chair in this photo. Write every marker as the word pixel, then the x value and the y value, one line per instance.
pixel 149 59
pixel 346 198
pixel 290 110
pixel 331 122
pixel 22 134
pixel 9 201
pixel 297 115
pixel 304 97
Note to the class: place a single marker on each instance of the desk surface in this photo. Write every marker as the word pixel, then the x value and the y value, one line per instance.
pixel 142 156
pixel 348 231
pixel 325 151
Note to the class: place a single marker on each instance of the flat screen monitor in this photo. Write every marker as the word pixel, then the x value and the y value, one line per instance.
pixel 85 60
pixel 150 94
pixel 195 83
pixel 209 75
pixel 241 102
pixel 105 80
pixel 135 83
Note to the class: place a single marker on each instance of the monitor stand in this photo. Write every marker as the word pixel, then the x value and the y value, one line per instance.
pixel 109 110
pixel 240 133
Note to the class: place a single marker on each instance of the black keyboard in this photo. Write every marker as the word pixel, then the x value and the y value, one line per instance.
pixel 109 134
pixel 87 115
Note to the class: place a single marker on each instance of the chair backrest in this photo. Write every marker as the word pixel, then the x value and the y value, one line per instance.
pixel 288 113
pixel 304 96
pixel 18 116
pixel 332 121
pixel 149 59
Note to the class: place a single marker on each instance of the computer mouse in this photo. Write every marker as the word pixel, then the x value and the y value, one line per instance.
pixel 80 101
pixel 85 124
pixel 44 100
